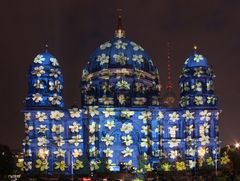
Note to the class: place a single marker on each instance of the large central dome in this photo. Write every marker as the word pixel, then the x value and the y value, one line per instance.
pixel 120 73
pixel 120 53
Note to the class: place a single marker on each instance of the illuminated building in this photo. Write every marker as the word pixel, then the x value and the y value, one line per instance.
pixel 121 118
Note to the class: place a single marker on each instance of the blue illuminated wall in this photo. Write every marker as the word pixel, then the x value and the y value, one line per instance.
pixel 54 136
pixel 121 116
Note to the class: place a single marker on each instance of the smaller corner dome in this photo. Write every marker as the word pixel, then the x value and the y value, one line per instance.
pixel 196 60
pixel 46 58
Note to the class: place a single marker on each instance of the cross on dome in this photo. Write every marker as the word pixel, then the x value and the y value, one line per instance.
pixel 119 32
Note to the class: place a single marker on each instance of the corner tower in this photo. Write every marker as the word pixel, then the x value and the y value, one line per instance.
pixel 196 83
pixel 201 112
pixel 45 82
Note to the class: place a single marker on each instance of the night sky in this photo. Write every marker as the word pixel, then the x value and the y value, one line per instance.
pixel 73 29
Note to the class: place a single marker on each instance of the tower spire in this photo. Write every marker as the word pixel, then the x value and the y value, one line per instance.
pixel 46 48
pixel 169 69
pixel 169 96
pixel 119 32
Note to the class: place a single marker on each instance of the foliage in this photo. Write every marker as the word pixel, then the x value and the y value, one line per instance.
pixel 6 160
pixel 209 161
pixel 20 164
pixel 230 158
pixel 224 160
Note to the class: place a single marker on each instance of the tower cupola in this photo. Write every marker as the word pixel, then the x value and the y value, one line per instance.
pixel 45 82
pixel 196 83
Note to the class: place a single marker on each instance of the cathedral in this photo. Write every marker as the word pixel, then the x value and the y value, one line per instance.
pixel 122 119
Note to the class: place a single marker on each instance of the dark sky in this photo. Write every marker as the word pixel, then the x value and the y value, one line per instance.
pixel 74 28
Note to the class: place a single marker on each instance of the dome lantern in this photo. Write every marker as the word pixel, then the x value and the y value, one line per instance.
pixel 119 32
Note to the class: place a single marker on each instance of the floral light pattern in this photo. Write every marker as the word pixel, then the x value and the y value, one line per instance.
pixel 57 115
pixel 103 59
pixel 39 59
pixel 127 152
pixel 174 116
pixel 127 127
pixel 138 58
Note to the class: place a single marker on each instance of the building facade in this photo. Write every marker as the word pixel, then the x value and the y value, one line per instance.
pixel 121 119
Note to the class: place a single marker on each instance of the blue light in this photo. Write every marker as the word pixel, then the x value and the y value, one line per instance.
pixel 121 119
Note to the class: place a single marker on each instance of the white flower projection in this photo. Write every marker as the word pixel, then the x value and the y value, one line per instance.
pixel 121 118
